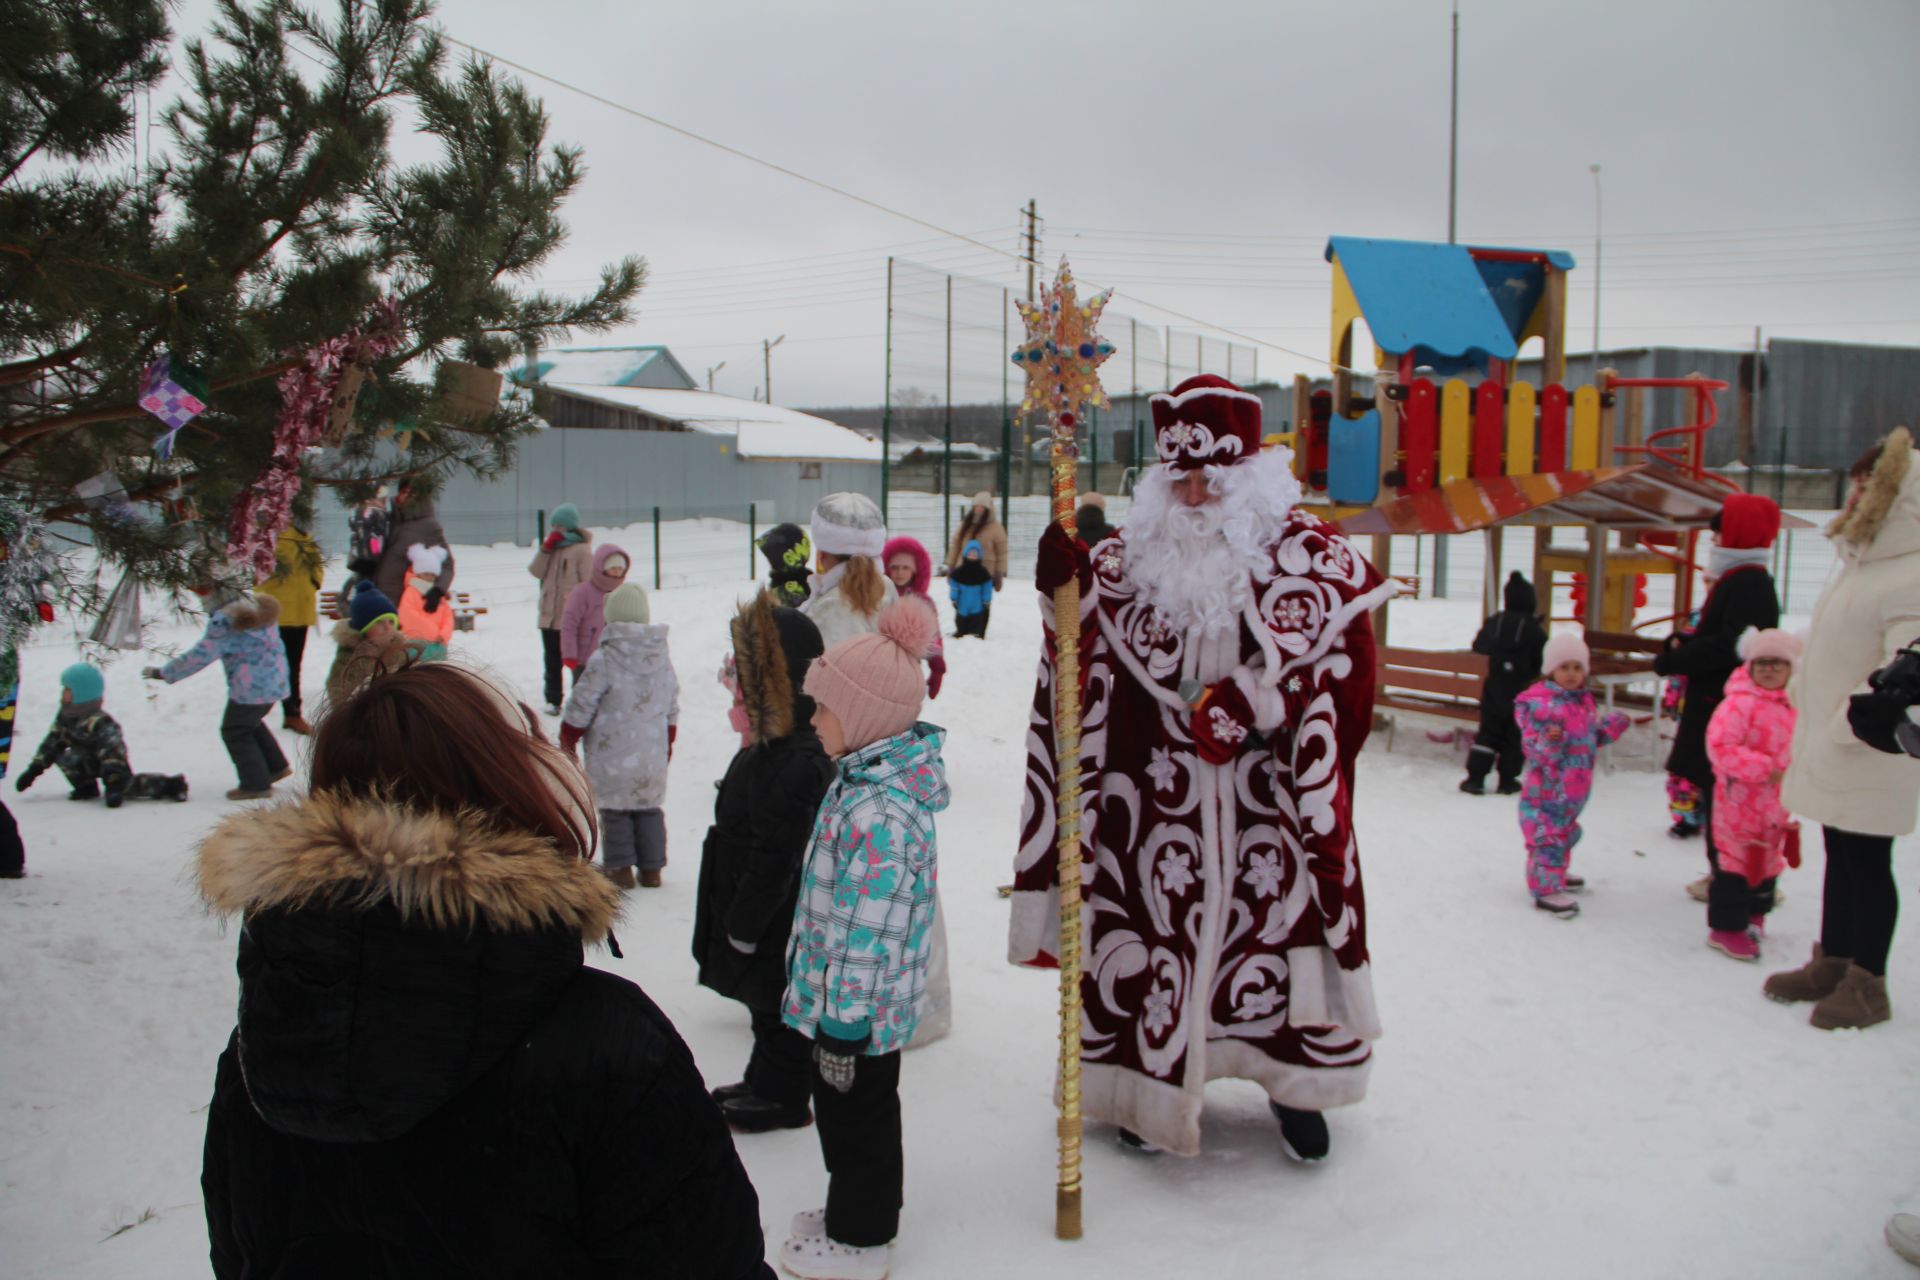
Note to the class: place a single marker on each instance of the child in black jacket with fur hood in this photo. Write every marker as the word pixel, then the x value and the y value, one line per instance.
pixel 750 865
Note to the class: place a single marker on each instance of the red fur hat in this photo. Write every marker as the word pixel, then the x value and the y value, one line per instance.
pixel 1747 521
pixel 1206 421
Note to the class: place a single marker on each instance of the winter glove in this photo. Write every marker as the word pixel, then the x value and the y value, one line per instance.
pixel 835 1059
pixel 1222 722
pixel 554 539
pixel 673 731
pixel 571 664
pixel 1792 849
pixel 26 779
pixel 570 737
pixel 431 601
pixel 45 611
pixel 744 948
pixel 1062 558
pixel 152 673
pixel 363 567
pixel 936 674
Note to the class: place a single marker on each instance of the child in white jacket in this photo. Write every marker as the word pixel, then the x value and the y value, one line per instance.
pixel 625 707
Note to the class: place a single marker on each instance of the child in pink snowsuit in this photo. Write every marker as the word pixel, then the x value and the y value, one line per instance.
pixel 1748 743
pixel 1560 731
pixel 910 569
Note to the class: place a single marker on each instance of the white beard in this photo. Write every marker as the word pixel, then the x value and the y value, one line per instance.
pixel 1196 564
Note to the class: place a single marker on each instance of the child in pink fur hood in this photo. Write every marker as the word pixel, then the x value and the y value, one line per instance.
pixel 1748 742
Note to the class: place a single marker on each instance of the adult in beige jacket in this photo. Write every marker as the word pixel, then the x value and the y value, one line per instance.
pixel 563 562
pixel 979 523
pixel 1863 798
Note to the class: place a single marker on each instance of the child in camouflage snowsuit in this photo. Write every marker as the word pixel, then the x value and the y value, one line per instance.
pixel 85 744
pixel 1560 732
pixel 857 956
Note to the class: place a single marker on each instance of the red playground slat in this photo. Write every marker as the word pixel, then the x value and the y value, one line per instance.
pixel 1420 437
pixel 1553 427
pixel 1489 430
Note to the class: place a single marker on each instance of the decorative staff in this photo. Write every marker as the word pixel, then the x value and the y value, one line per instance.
pixel 1062 355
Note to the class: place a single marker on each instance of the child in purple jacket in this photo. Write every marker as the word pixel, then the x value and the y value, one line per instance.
pixel 1560 732
pixel 243 634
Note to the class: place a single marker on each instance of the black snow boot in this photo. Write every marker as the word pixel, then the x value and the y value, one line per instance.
pixel 751 1113
pixel 1303 1134
pixel 1134 1142
pixel 1510 786
pixel 727 1092
pixel 87 790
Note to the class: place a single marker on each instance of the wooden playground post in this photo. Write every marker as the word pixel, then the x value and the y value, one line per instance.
pixel 1383 561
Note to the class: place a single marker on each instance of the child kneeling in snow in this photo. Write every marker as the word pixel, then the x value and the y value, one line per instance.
pixel 1560 732
pixel 245 635
pixel 625 706
pixel 857 959
pixel 1748 742
pixel 427 627
pixel 86 745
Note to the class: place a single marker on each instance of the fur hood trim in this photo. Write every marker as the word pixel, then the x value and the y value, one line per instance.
pixel 252 611
pixel 447 872
pixel 766 689
pixel 1861 525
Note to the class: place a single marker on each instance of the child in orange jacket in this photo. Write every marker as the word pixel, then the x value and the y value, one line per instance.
pixel 429 629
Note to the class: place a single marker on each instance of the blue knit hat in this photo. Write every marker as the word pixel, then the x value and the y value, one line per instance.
pixel 565 516
pixel 370 604
pixel 86 682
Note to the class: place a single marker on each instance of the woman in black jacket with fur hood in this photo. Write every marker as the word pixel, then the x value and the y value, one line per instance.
pixel 426 1079
pixel 750 866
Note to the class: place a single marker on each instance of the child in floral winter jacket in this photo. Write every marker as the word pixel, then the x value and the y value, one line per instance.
pixel 1748 742
pixel 857 958
pixel 244 634
pixel 1560 732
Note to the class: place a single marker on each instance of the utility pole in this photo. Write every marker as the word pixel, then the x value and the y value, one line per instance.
pixel 766 354
pixel 713 370
pixel 1032 237
pixel 1594 169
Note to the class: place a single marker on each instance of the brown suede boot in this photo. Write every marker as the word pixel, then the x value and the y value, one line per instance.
pixel 621 876
pixel 1859 1001
pixel 1814 980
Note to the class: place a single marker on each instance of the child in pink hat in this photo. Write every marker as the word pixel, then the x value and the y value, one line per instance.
pixel 1748 742
pixel 857 962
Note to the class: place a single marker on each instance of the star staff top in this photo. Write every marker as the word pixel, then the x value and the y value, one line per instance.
pixel 1062 355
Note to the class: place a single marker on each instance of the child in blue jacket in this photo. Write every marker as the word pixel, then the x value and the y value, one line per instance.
pixel 857 956
pixel 245 636
pixel 971 587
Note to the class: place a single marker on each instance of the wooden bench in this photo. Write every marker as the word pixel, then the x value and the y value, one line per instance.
pixel 1428 681
pixel 465 611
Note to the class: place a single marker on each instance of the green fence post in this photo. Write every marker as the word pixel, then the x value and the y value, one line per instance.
pixel 656 548
pixel 753 536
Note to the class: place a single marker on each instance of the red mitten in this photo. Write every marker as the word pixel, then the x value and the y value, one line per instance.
pixel 571 664
pixel 936 674
pixel 1062 558
pixel 570 737
pixel 1793 845
pixel 673 731
pixel 1222 722
pixel 554 537
pixel 45 611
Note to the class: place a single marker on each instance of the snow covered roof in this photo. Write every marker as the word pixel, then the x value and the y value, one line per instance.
pixel 652 366
pixel 759 430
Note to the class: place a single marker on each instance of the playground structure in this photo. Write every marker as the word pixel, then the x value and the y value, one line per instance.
pixel 1448 442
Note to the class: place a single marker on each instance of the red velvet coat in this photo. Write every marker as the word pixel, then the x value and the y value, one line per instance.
pixel 1223 917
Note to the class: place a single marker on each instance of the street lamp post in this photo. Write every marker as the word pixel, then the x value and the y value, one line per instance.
pixel 1594 169
pixel 766 354
pixel 713 370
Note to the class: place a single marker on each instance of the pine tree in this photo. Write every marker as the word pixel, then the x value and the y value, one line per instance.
pixel 274 218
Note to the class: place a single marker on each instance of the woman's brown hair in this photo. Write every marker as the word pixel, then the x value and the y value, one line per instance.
pixel 439 738
pixel 862 584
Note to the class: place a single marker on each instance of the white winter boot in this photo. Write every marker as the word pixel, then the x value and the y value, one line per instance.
pixel 1903 1234
pixel 821 1258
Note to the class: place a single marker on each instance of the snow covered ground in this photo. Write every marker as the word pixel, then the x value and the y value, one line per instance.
pixel 1598 1098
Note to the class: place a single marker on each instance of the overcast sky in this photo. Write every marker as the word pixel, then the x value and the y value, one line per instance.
pixel 1760 160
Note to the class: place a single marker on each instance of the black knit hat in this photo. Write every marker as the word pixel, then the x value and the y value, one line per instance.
pixel 788 552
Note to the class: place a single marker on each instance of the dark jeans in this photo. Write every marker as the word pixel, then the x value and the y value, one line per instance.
pixel 1859 903
pixel 13 854
pixel 780 1068
pixel 860 1141
pixel 972 624
pixel 256 756
pixel 295 640
pixel 550 647
pixel 1706 827
pixel 1498 741
pixel 1732 903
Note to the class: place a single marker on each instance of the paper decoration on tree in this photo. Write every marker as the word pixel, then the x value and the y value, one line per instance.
pixel 316 398
pixel 1062 355
pixel 104 495
pixel 118 626
pixel 174 392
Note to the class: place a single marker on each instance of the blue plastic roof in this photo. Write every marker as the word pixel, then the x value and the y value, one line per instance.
pixel 1435 300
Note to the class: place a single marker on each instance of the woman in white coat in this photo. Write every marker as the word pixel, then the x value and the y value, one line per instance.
pixel 849 591
pixel 1863 798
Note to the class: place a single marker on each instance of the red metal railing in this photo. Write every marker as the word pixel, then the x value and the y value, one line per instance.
pixel 1684 449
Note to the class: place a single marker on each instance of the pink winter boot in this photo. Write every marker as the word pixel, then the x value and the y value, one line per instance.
pixel 1757 926
pixel 1734 944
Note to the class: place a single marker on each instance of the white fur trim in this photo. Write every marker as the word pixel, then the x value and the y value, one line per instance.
pixel 1322 994
pixel 1269 708
pixel 426 559
pixel 844 540
pixel 1200 393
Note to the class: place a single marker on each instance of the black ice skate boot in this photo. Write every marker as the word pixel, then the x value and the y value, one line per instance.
pixel 1303 1134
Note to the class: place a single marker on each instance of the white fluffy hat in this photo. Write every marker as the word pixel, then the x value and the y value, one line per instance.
pixel 427 560
pixel 847 524
pixel 1566 646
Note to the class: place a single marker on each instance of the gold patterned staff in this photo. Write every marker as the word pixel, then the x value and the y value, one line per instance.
pixel 1062 355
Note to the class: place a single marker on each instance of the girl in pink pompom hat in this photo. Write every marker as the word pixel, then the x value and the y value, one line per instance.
pixel 1748 741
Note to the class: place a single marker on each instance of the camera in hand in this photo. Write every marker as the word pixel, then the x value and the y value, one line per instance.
pixel 1880 718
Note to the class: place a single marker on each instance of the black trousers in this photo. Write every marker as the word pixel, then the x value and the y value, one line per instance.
pixel 1732 903
pixel 780 1069
pixel 1859 903
pixel 13 854
pixel 860 1141
pixel 550 650
pixel 973 624
pixel 256 756
pixel 1706 827
pixel 295 640
pixel 1497 742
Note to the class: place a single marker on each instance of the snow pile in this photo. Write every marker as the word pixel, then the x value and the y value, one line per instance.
pixel 1600 1098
